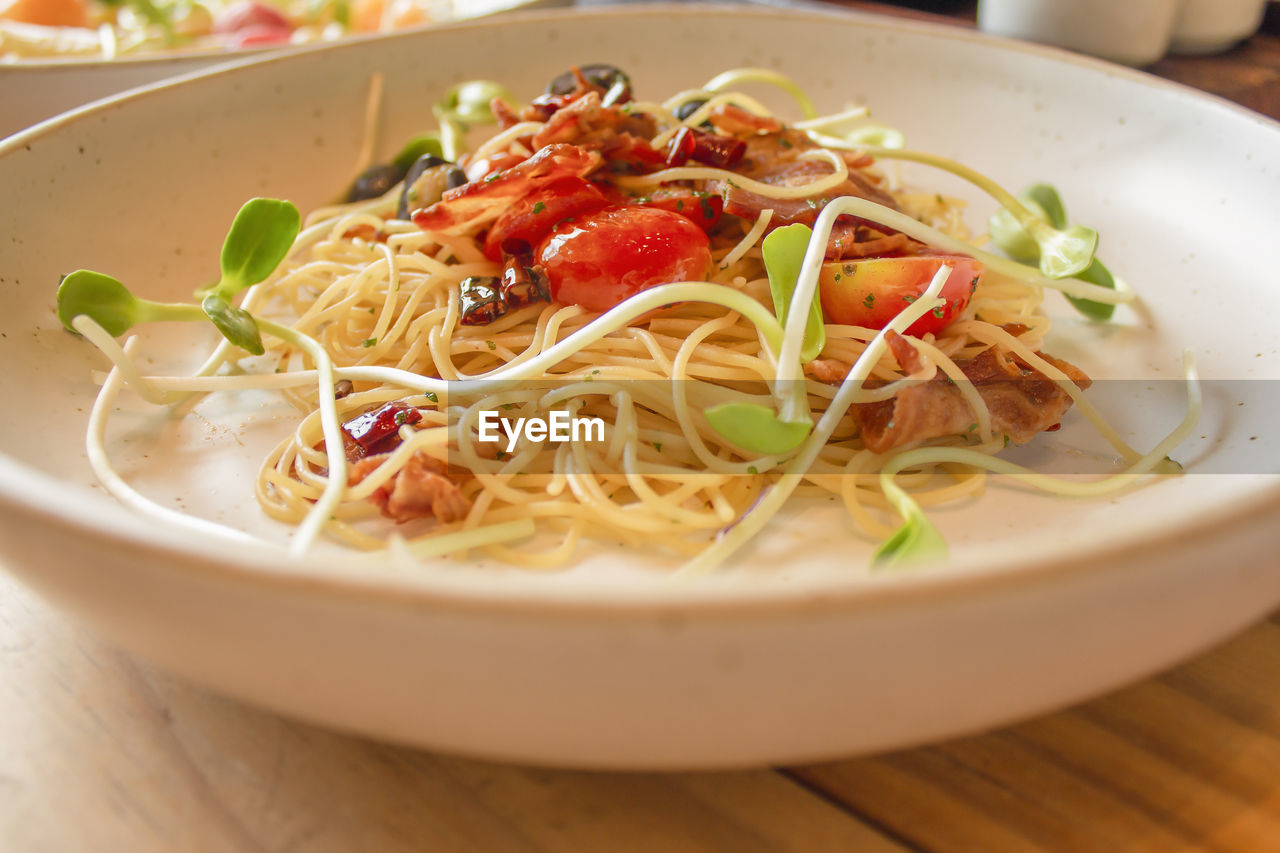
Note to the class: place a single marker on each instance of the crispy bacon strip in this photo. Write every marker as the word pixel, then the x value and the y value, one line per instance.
pixel 832 371
pixel 472 206
pixel 774 158
pixel 907 356
pixel 735 121
pixel 421 489
pixel 1022 401
pixel 507 117
pixel 851 240
pixel 588 123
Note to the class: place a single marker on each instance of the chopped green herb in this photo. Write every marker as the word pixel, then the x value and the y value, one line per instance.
pixel 492 345
pixel 539 207
pixel 369 342
pixel 708 210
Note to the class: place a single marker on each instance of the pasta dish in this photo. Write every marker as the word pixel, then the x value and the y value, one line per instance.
pixel 644 322
pixel 108 29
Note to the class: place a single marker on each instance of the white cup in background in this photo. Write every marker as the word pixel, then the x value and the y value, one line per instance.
pixel 1208 26
pixel 1134 32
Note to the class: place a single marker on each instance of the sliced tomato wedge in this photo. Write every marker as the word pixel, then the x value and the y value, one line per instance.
pixel 872 291
pixel 599 259
pixel 532 217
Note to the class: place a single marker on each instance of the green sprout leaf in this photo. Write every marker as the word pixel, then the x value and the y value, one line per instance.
pixel 1101 276
pixel 917 540
pixel 236 324
pixel 1017 240
pixel 784 250
pixel 463 105
pixel 1063 253
pixel 418 146
pixel 99 296
pixel 1007 233
pixel 756 428
pixel 1045 201
pixel 260 237
pixel 469 102
pixel 874 133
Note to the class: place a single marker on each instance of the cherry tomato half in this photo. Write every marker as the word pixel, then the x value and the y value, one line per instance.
pixel 870 292
pixel 600 259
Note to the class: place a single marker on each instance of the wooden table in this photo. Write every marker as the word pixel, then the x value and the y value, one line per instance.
pixel 99 751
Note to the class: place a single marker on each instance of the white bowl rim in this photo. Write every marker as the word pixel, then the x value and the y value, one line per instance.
pixel 46 501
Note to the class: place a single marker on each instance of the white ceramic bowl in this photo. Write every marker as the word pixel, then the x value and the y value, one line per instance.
pixel 1135 32
pixel 796 652
pixel 1210 26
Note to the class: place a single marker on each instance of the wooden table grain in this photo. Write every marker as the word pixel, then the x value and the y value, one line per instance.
pixel 102 752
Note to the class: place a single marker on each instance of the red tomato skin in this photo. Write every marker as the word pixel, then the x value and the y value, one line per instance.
pixel 872 291
pixel 532 217
pixel 598 260
pixel 701 209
